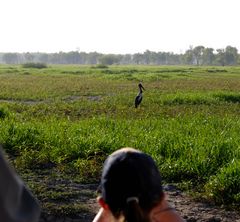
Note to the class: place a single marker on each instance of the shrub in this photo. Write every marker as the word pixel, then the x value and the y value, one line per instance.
pixel 100 66
pixel 3 113
pixel 36 65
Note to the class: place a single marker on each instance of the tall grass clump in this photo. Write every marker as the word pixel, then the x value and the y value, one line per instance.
pixel 35 65
pixel 190 150
pixel 4 112
pixel 186 149
pixel 80 145
pixel 189 98
pixel 229 97
pixel 224 187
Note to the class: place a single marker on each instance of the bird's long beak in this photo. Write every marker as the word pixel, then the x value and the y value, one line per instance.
pixel 142 87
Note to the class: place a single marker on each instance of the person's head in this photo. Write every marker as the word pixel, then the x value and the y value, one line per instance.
pixel 130 184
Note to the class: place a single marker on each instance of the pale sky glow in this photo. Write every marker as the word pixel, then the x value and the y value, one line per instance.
pixel 118 26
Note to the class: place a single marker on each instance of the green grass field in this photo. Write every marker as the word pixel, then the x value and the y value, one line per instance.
pixel 72 117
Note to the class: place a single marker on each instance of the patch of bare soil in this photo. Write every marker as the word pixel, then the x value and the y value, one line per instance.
pixel 196 211
pixel 65 200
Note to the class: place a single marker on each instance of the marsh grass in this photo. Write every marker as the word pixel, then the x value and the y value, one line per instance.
pixel 71 117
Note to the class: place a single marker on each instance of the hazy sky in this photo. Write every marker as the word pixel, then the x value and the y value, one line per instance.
pixel 117 26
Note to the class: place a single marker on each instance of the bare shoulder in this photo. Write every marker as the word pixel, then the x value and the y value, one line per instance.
pixel 167 216
pixel 164 212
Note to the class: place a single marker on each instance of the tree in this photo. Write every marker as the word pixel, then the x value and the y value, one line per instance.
pixel 92 58
pixel 72 57
pixel 147 57
pixel 221 57
pixel 188 56
pixel 137 58
pixel 161 58
pixel 109 59
pixel 126 59
pixel 197 54
pixel 208 56
pixel 10 58
pixel 231 55
pixel 44 57
pixel 29 57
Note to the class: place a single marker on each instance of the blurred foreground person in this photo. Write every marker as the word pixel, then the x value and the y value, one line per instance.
pixel 16 202
pixel 131 190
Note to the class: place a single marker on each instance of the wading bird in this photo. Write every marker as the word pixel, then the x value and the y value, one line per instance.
pixel 139 97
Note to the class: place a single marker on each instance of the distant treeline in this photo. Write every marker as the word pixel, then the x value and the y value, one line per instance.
pixel 198 55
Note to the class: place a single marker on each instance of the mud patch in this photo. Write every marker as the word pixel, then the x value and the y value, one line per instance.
pixel 94 98
pixel 63 199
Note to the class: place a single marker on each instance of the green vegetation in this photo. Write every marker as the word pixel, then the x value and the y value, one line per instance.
pixel 35 65
pixel 69 118
pixel 198 55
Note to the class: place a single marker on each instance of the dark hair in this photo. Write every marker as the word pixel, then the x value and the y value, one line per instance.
pixel 131 184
